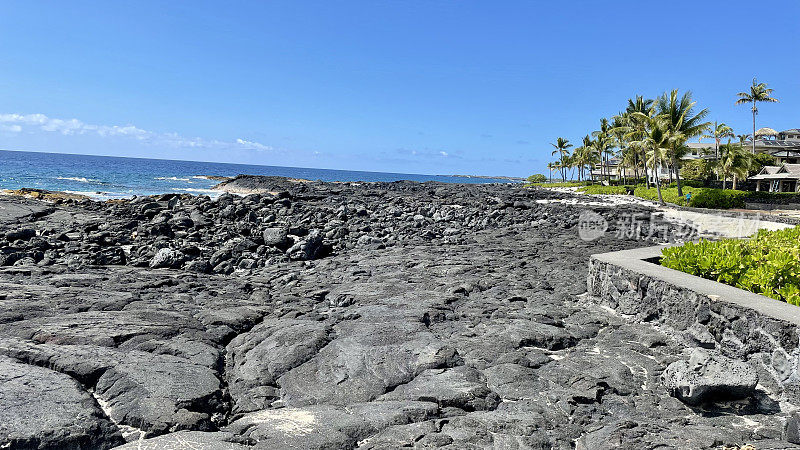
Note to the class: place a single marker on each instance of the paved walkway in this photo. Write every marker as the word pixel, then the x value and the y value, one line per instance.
pixel 710 225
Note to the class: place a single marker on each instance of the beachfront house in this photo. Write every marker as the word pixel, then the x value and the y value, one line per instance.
pixel 783 178
pixel 613 169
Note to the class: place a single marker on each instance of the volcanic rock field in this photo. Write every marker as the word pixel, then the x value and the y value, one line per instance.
pixel 310 315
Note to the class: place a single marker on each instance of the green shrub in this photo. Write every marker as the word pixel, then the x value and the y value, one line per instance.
pixel 700 197
pixel 718 198
pixel 670 195
pixel 767 264
pixel 697 170
pixel 777 198
pixel 537 178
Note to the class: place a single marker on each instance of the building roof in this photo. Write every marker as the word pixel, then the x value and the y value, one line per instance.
pixel 776 176
pixel 787 153
pixel 769 170
pixel 791 131
pixel 790 168
pixel 766 131
pixel 784 172
pixel 777 144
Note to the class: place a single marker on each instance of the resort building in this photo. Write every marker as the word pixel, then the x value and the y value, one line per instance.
pixel 783 178
pixel 614 170
pixel 784 146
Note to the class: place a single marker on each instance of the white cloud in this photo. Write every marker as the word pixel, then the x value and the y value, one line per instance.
pixel 253 145
pixel 11 128
pixel 443 154
pixel 68 127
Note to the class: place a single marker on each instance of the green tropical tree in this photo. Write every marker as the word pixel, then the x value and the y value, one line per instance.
pixel 618 132
pixel 759 92
pixel 562 150
pixel 584 157
pixel 656 141
pixel 742 138
pixel 588 156
pixel 551 166
pixel 719 132
pixel 603 144
pixel 683 123
pixel 733 162
pixel 635 128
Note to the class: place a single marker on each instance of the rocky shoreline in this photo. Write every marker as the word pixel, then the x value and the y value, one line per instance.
pixel 337 315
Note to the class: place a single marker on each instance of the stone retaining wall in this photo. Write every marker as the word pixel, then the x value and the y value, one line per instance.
pixel 742 325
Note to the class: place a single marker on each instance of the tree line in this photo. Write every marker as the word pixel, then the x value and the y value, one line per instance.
pixel 652 133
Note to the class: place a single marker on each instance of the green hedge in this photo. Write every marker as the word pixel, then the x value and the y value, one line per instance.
pixel 767 264
pixel 777 198
pixel 701 197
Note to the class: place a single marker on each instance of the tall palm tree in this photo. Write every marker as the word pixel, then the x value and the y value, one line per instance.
pixel 733 161
pixel 656 141
pixel 586 154
pixel 562 149
pixel 759 92
pixel 637 108
pixel 719 132
pixel 683 124
pixel 617 132
pixel 551 166
pixel 602 144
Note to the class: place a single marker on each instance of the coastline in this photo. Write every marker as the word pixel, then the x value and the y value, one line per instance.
pixel 103 177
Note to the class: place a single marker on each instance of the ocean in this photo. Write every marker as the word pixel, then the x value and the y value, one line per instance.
pixel 107 177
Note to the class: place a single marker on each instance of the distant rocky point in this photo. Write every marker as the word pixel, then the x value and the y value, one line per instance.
pixel 41 194
pixel 255 184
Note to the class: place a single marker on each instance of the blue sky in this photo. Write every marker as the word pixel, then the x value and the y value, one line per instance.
pixel 434 87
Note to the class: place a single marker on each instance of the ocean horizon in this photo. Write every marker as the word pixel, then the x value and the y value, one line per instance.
pixel 108 177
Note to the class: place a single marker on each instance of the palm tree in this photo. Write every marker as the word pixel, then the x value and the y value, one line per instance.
pixel 630 159
pixel 551 166
pixel 602 144
pixel 719 131
pixel 637 108
pixel 618 131
pixel 569 164
pixel 742 138
pixel 683 124
pixel 656 141
pixel 733 161
pixel 586 154
pixel 759 92
pixel 562 149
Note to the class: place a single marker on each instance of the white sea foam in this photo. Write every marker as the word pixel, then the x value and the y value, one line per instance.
pixel 79 179
pixel 99 195
pixel 171 178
